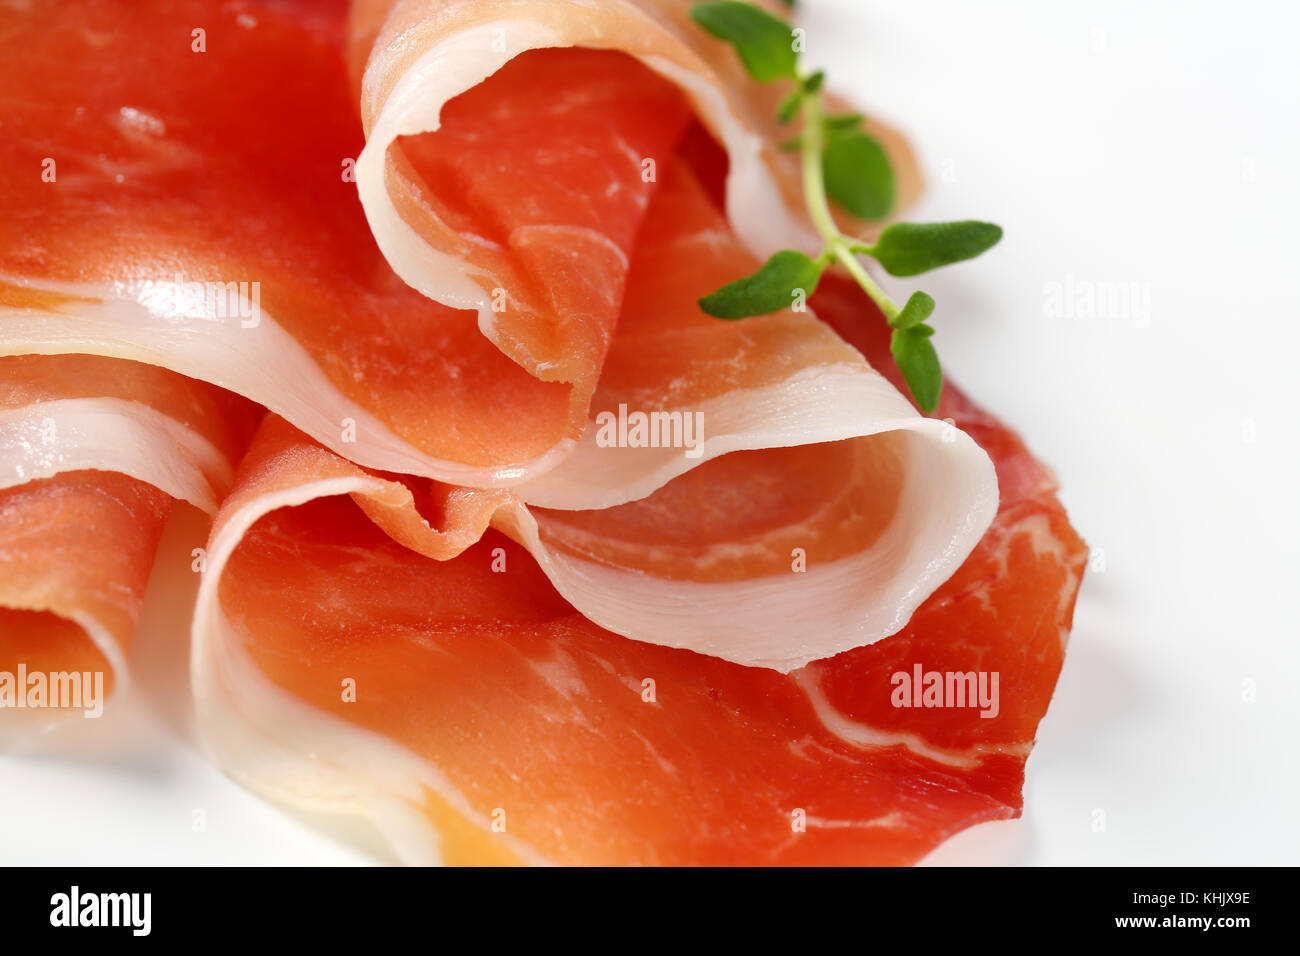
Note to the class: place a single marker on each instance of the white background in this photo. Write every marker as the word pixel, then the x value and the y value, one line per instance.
pixel 1116 141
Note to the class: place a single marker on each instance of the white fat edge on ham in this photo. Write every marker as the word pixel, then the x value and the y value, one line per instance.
pixel 863 736
pixel 285 749
pixel 784 621
pixel 774 621
pixel 949 499
pixel 262 362
pixel 47 438
pixel 457 61
pixel 951 489
pixel 44 439
pixel 282 747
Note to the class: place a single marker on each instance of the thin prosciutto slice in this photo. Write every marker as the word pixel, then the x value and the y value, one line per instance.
pixel 197 211
pixel 819 509
pixel 794 552
pixel 75 555
pixel 540 177
pixel 62 413
pixel 92 453
pixel 467 710
pixel 341 349
pixel 410 58
pixel 435 596
pixel 512 148
pixel 208 223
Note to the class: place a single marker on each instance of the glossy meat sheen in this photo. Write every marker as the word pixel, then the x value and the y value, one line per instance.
pixel 738 516
pixel 524 706
pixel 468 662
pixel 141 195
pixel 228 166
pixel 797 551
pixel 909 507
pixel 468 220
pixel 388 37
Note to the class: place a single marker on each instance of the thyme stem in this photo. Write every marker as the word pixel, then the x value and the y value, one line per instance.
pixel 837 245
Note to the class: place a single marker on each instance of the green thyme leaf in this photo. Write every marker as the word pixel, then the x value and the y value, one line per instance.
pixel 919 308
pixel 789 106
pixel 908 248
pixel 770 289
pixel 916 358
pixel 764 42
pixel 858 175
pixel 843 123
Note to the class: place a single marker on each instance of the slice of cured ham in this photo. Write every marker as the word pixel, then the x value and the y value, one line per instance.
pixel 196 211
pixel 540 177
pixel 343 351
pixel 410 58
pixel 512 146
pixel 62 413
pixel 201 215
pixel 92 452
pixel 464 707
pixel 420 591
pixel 75 555
pixel 794 552
pixel 818 510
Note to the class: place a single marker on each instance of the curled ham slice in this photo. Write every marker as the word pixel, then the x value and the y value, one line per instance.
pixel 199 218
pixel 394 381
pixel 277 290
pixel 455 700
pixel 421 584
pixel 820 509
pixel 71 412
pixel 74 560
pixel 92 453
pixel 545 122
pixel 410 58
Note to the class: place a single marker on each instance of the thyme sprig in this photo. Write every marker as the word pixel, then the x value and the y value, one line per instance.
pixel 844 164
